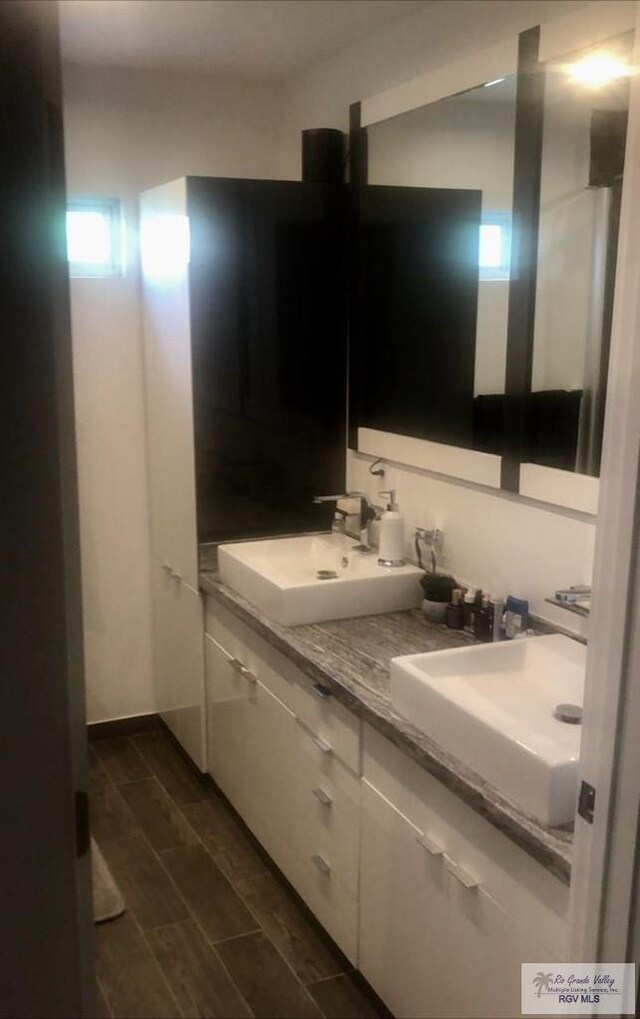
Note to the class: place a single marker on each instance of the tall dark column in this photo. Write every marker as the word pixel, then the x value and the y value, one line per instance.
pixel 45 930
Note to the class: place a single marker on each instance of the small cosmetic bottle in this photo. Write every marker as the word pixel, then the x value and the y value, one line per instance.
pixel 497 623
pixel 516 617
pixel 468 609
pixel 454 617
pixel 483 620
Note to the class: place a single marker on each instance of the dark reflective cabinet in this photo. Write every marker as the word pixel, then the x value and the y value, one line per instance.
pixel 268 337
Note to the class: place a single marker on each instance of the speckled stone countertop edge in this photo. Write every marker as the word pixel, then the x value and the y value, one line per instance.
pixel 551 847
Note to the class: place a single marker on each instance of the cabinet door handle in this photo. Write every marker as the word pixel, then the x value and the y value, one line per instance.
pixel 242 670
pixel 322 745
pixel 323 796
pixel 459 873
pixel 166 568
pixel 323 692
pixel 176 575
pixel 321 863
pixel 428 843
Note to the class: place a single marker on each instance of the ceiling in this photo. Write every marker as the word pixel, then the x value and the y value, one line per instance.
pixel 257 38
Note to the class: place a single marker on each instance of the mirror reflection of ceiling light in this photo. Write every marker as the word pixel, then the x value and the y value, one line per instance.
pixel 597 70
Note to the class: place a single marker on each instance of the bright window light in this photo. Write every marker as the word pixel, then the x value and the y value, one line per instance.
pixel 94 245
pixel 88 237
pixel 494 257
pixel 491 242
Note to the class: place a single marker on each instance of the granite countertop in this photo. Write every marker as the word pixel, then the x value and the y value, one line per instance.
pixel 352 657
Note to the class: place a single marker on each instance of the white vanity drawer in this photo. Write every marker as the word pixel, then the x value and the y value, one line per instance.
pixel 329 720
pixel 311 702
pixel 525 889
pixel 335 906
pixel 327 808
pixel 250 649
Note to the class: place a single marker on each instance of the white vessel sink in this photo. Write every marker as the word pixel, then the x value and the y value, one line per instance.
pixel 492 706
pixel 281 577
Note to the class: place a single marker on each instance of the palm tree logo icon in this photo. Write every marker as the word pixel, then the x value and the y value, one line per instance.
pixel 542 981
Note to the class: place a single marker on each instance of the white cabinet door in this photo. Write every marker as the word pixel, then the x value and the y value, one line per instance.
pixel 430 946
pixel 168 381
pixel 325 717
pixel 251 741
pixel 179 660
pixel 297 798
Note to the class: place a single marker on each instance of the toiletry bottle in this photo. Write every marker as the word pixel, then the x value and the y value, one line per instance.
pixel 468 609
pixel 391 547
pixel 483 620
pixel 477 605
pixel 454 617
pixel 516 617
pixel 497 609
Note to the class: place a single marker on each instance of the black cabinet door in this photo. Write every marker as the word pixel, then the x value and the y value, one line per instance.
pixel 269 354
pixel 413 336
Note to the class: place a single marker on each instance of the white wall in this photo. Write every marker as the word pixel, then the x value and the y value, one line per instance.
pixel 500 542
pixel 126 131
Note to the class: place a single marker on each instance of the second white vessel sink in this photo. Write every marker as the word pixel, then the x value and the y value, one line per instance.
pixel 494 707
pixel 312 578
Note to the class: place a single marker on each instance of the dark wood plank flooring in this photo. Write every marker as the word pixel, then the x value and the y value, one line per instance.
pixel 211 929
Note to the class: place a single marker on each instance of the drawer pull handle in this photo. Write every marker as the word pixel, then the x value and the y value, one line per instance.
pixel 460 874
pixel 323 796
pixel 323 692
pixel 242 670
pixel 321 863
pixel 427 843
pixel 322 744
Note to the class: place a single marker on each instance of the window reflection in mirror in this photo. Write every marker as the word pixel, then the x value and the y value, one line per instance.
pixel 463 144
pixel 585 114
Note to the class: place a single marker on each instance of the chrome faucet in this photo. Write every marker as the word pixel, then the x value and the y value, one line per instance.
pixel 354 523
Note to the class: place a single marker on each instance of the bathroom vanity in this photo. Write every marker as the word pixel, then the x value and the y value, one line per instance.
pixel 428 879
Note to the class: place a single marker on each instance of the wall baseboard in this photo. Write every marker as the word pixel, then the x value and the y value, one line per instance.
pixel 129 726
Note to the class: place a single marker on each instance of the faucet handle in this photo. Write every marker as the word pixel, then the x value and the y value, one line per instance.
pixel 368 512
pixel 433 536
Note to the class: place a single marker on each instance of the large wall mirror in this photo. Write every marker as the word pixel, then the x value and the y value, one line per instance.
pixel 468 307
pixel 434 266
pixel 586 98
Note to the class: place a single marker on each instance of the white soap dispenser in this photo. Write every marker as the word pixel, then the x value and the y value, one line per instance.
pixel 391 546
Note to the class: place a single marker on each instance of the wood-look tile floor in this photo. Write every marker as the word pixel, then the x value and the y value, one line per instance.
pixel 210 929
